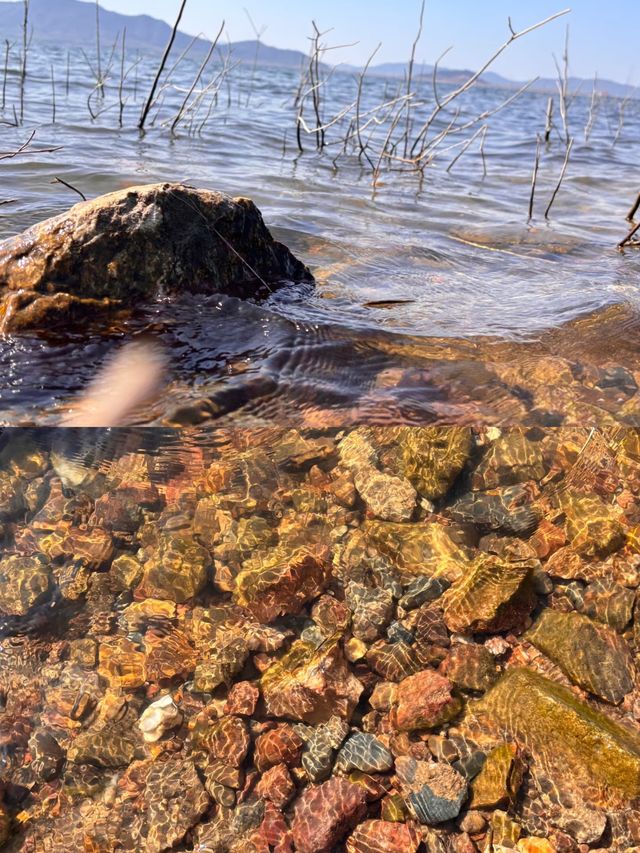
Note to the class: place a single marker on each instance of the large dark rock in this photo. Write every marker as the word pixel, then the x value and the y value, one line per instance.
pixel 136 244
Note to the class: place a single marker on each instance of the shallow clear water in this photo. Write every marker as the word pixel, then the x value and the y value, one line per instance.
pixel 455 250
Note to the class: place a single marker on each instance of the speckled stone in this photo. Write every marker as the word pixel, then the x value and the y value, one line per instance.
pixel 434 792
pixel 381 836
pixel 424 701
pixel 324 814
pixel 364 752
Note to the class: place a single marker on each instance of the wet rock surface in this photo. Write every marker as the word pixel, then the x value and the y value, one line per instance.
pixel 225 648
pixel 138 244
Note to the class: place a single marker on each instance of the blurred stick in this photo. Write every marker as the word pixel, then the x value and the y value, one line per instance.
pixel 122 77
pixel 163 62
pixel 197 78
pixel 25 48
pixel 534 177
pixel 7 51
pixel 627 240
pixel 69 186
pixel 592 109
pixel 549 122
pixel 634 208
pixel 99 60
pixel 560 179
pixel 410 77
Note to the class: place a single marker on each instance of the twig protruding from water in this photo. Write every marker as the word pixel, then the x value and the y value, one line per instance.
pixel 163 62
pixel 534 177
pixel 561 178
pixel 628 240
pixel 25 49
pixel 633 209
pixel 549 120
pixel 57 180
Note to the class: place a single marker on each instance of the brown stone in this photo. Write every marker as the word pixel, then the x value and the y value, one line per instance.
pixel 424 701
pixel 324 814
pixel 383 836
pixel 276 785
pixel 138 243
pixel 280 744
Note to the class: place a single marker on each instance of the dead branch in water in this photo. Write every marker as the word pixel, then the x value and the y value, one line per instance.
pixel 163 62
pixel 628 240
pixel 634 208
pixel 25 49
pixel 561 178
pixel 466 146
pixel 534 177
pixel 7 51
pixel 563 86
pixel 258 34
pixel 98 49
pixel 122 77
pixel 201 70
pixel 410 77
pixel 621 108
pixel 592 109
pixel 549 120
pixel 471 81
pixel 69 186
pixel 25 148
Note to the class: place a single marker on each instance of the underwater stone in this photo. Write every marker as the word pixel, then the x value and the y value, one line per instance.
pixel 161 716
pixel 424 701
pixel 581 745
pixel 281 583
pixel 591 655
pixel 371 608
pixel 310 684
pixel 499 780
pixel 383 836
pixel 434 791
pixel 321 743
pixel 324 814
pixel 386 497
pixel 470 667
pixel 282 744
pixel 177 572
pixel 135 244
pixel 24 582
pixel 494 596
pixel 364 752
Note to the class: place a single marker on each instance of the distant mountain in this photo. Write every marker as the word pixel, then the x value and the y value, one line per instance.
pixel 72 23
pixel 490 78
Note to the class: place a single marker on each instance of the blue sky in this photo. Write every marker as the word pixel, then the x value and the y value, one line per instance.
pixel 603 35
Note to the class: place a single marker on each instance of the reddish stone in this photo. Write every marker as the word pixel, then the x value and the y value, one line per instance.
pixel 279 745
pixel 227 739
pixel 382 836
pixel 275 830
pixel 242 699
pixel 324 814
pixel 424 701
pixel 547 539
pixel 276 785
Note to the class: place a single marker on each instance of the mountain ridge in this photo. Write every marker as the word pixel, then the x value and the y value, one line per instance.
pixel 50 23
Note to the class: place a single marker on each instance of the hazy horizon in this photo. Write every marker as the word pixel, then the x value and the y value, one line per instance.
pixel 473 30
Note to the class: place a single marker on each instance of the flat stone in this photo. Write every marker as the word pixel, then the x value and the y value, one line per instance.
pixel 134 244
pixel 434 791
pixel 499 780
pixel 494 596
pixel 311 685
pixel 324 814
pixel 364 752
pixel 590 654
pixel 383 836
pixel 575 745
pixel 424 701
pixel 386 497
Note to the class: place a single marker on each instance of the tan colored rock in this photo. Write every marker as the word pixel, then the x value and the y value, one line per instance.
pixel 161 716
pixel 138 243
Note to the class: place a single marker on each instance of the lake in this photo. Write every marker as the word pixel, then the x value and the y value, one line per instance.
pixel 436 300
